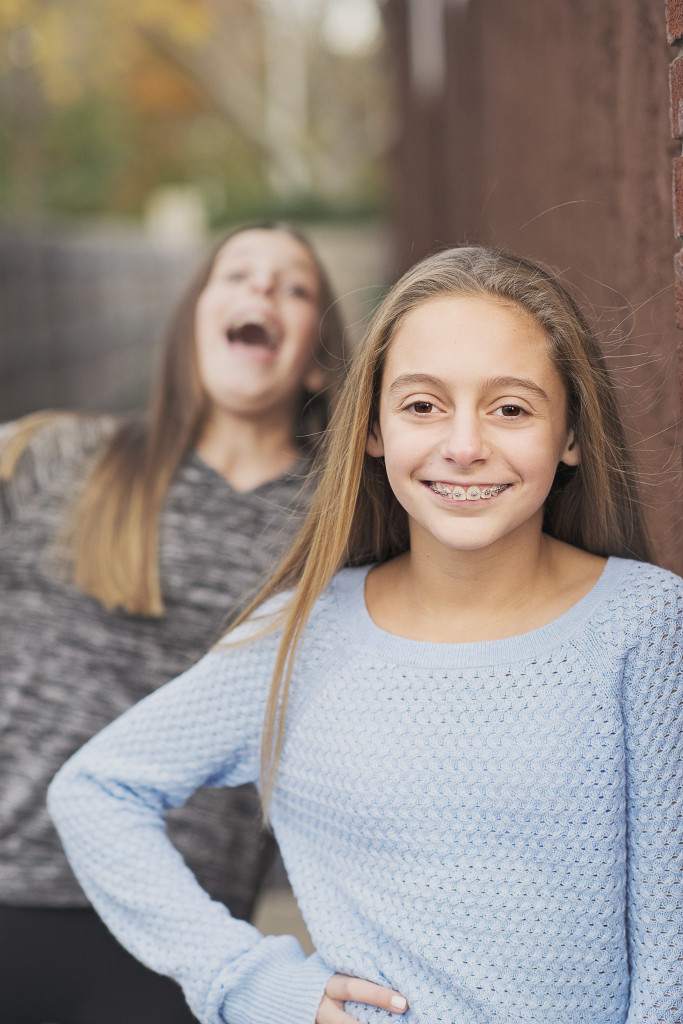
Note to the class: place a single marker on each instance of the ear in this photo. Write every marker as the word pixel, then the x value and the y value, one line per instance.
pixel 375 445
pixel 314 378
pixel 571 456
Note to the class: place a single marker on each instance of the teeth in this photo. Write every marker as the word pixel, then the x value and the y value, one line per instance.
pixel 252 318
pixel 472 493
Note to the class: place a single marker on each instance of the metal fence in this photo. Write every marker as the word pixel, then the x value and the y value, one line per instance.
pixel 80 315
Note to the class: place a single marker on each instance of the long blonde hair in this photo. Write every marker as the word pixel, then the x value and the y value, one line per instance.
pixel 355 518
pixel 112 537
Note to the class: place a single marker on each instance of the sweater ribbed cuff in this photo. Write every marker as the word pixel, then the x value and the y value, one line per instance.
pixel 281 986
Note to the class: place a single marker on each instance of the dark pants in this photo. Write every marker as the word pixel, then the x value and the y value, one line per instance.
pixel 64 967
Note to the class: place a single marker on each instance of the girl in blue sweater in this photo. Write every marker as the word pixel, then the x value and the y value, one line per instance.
pixel 470 749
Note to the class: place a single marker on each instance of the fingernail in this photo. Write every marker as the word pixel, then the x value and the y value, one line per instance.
pixel 398 1002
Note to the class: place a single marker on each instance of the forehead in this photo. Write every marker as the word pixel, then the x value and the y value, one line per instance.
pixel 467 330
pixel 275 246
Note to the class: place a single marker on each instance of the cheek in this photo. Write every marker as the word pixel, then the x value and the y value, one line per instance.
pixel 403 455
pixel 543 457
pixel 202 317
pixel 306 323
pixel 306 330
pixel 202 348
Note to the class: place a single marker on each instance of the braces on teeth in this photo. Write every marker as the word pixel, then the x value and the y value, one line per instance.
pixel 472 493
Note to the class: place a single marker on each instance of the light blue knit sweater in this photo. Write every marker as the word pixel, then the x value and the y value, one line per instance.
pixel 493 829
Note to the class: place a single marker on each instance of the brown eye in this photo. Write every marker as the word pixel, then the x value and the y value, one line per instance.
pixel 510 410
pixel 423 407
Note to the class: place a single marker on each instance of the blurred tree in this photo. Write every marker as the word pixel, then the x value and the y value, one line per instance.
pixel 101 102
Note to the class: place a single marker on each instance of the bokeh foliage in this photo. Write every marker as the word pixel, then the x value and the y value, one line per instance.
pixel 103 102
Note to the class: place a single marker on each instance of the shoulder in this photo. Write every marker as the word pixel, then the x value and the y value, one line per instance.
pixel 643 613
pixel 337 617
pixel 650 627
pixel 43 442
pixel 339 603
pixel 344 597
pixel 264 621
pixel 646 591
pixel 44 450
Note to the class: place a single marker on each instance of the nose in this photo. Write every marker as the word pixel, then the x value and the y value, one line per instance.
pixel 463 442
pixel 262 281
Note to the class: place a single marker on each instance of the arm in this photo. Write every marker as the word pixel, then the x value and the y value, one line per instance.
pixel 41 448
pixel 108 803
pixel 653 720
pixel 8 459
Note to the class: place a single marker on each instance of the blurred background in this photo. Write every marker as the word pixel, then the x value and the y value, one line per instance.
pixel 130 133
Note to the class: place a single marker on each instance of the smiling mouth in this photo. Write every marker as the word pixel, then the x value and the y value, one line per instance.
pixel 255 331
pixel 475 492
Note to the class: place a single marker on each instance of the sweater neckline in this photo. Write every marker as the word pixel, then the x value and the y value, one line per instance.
pixel 298 470
pixel 525 646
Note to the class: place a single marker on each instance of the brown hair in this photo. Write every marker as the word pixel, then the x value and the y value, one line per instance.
pixel 113 533
pixel 355 518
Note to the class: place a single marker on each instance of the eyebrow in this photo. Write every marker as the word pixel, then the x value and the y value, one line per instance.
pixel 492 384
pixel 516 384
pixel 414 378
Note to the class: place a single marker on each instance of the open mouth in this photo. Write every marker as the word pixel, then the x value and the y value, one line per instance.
pixel 255 331
pixel 473 492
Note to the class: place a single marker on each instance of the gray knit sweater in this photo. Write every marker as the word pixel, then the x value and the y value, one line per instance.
pixel 68 667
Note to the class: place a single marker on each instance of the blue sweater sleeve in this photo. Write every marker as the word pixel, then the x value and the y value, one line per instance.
pixel 653 723
pixel 108 803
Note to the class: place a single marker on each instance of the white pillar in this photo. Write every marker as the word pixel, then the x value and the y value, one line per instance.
pixel 427 45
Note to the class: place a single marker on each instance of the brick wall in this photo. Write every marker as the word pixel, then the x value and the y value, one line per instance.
pixel 674 29
pixel 549 134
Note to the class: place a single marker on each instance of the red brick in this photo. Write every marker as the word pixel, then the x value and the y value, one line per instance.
pixel 677 195
pixel 676 93
pixel 680 381
pixel 678 294
pixel 674 20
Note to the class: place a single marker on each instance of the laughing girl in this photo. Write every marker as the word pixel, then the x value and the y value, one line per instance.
pixel 124 545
